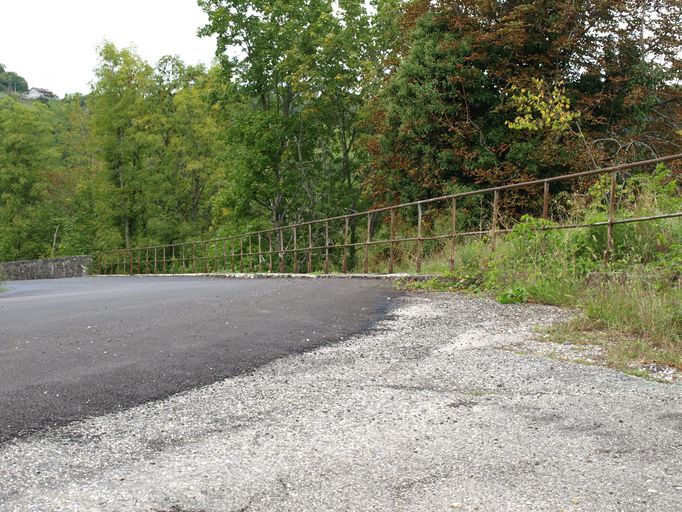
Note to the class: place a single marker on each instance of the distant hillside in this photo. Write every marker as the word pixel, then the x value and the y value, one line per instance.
pixel 10 81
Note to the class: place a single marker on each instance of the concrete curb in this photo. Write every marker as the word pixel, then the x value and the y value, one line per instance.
pixel 277 275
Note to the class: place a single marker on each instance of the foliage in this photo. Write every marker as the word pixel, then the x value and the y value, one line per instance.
pixel 26 157
pixel 541 109
pixel 10 81
pixel 155 139
pixel 301 74
pixel 513 296
pixel 135 162
pixel 452 110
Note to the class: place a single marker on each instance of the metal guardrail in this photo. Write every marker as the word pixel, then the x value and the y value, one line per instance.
pixel 331 243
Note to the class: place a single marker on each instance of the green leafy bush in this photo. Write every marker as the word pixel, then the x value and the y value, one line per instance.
pixel 513 296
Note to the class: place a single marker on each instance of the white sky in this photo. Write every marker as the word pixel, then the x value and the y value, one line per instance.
pixel 52 43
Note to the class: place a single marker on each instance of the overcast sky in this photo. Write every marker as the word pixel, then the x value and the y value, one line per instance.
pixel 52 43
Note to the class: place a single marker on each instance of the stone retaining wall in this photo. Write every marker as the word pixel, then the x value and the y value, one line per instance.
pixel 73 266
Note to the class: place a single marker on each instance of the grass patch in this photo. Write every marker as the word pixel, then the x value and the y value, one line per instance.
pixel 623 350
pixel 637 311
pixel 481 392
pixel 637 320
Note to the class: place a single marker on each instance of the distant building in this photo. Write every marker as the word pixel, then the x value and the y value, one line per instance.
pixel 36 93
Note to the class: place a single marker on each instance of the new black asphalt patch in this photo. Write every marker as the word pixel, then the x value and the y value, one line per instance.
pixel 71 348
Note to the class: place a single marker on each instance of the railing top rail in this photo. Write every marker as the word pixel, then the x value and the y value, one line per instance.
pixel 564 177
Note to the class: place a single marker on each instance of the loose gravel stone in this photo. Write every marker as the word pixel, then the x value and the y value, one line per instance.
pixel 424 413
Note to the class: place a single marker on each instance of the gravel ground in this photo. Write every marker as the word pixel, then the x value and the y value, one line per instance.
pixel 427 412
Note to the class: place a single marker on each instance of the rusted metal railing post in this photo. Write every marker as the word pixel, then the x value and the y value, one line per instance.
pixel 545 201
pixel 345 248
pixel 326 247
pixel 419 238
pixel 270 252
pixel 194 258
pixel 205 258
pixel 260 251
pixel 310 248
pixel 250 255
pixel 295 252
pixel 281 251
pixel 130 262
pixel 367 240
pixel 225 254
pixel 453 233
pixel 610 242
pixel 146 262
pixel 496 206
pixel 391 254
pixel 241 255
pixel 155 260
pixel 233 264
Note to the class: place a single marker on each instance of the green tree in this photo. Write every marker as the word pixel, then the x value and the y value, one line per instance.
pixel 10 81
pixel 183 160
pixel 27 161
pixel 157 145
pixel 269 136
pixel 120 103
pixel 301 74
pixel 75 183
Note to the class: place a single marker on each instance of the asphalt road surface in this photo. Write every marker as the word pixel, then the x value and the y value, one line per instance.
pixel 72 348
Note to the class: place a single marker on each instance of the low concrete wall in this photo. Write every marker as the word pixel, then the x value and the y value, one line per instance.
pixel 73 266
